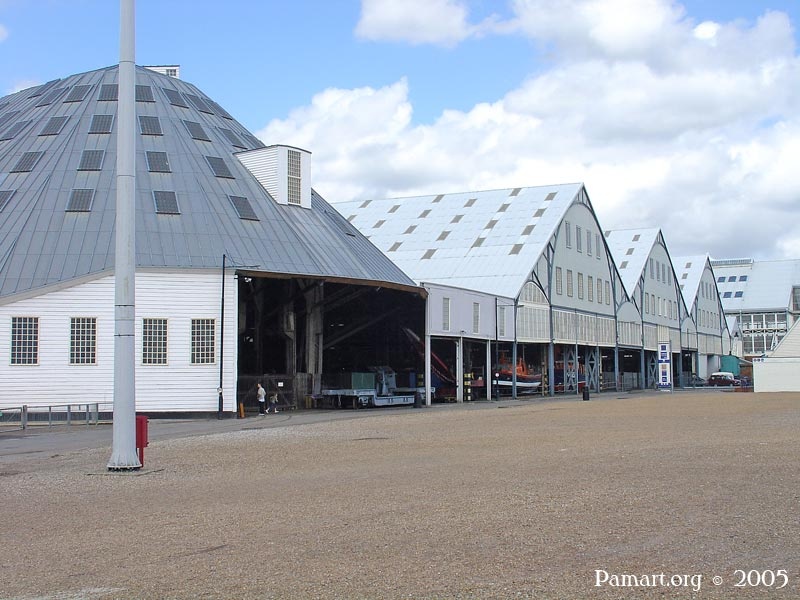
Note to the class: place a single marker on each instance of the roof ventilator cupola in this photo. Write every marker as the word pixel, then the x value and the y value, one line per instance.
pixel 284 171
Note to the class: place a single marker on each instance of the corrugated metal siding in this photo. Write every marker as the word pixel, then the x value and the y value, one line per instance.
pixel 563 327
pixel 650 337
pixel 630 334
pixel 178 386
pixel 605 332
pixel 533 323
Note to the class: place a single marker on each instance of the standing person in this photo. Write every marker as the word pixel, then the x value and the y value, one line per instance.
pixel 262 397
pixel 273 403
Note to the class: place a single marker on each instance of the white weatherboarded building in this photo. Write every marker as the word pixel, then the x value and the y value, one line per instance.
pixel 780 371
pixel 220 220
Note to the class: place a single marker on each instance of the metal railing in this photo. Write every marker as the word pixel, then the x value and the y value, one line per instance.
pixel 81 413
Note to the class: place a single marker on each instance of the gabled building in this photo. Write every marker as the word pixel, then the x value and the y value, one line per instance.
pixel 701 296
pixel 221 220
pixel 761 300
pixel 537 254
pixel 650 280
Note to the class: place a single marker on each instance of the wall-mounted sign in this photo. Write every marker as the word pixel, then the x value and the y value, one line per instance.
pixel 664 366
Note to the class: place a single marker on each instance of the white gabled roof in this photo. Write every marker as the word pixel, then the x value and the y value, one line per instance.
pixel 753 286
pixel 485 241
pixel 689 270
pixel 630 249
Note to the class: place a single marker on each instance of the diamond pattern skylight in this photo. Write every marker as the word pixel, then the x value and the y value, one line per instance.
pixel 174 98
pixel 5 196
pixel 27 162
pixel 144 93
pixel 91 160
pixel 196 131
pixel 108 92
pixel 101 124
pixel 150 126
pixel 219 168
pixel 78 93
pixel 166 203
pixel 157 162
pixel 54 126
pixel 243 208
pixel 80 200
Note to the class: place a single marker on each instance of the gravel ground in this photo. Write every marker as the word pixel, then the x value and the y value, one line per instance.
pixel 527 501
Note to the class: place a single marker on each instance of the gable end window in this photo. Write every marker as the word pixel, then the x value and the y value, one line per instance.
pixel 446 314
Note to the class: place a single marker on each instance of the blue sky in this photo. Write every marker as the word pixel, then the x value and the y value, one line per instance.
pixel 675 114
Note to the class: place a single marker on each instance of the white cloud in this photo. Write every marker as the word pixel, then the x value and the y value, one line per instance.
pixel 439 22
pixel 3 33
pixel 689 137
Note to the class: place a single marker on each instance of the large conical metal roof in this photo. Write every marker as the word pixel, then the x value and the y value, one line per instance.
pixel 58 191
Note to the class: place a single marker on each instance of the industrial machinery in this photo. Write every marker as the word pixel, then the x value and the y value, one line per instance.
pixel 376 388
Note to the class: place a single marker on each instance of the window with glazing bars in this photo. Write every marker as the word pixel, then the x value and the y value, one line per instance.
pixel 203 351
pixel 568 234
pixel 54 126
pixel 293 172
pixel 580 286
pixel 150 126
pixel 569 283
pixel 588 243
pixel 501 320
pixel 5 196
pixel 157 162
pixel 24 340
pixel 101 124
pixel 83 341
pixel 174 98
pixel 476 317
pixel 154 341
pixel 608 292
pixel 559 285
pixel 196 131
pixel 446 314
pixel 91 160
